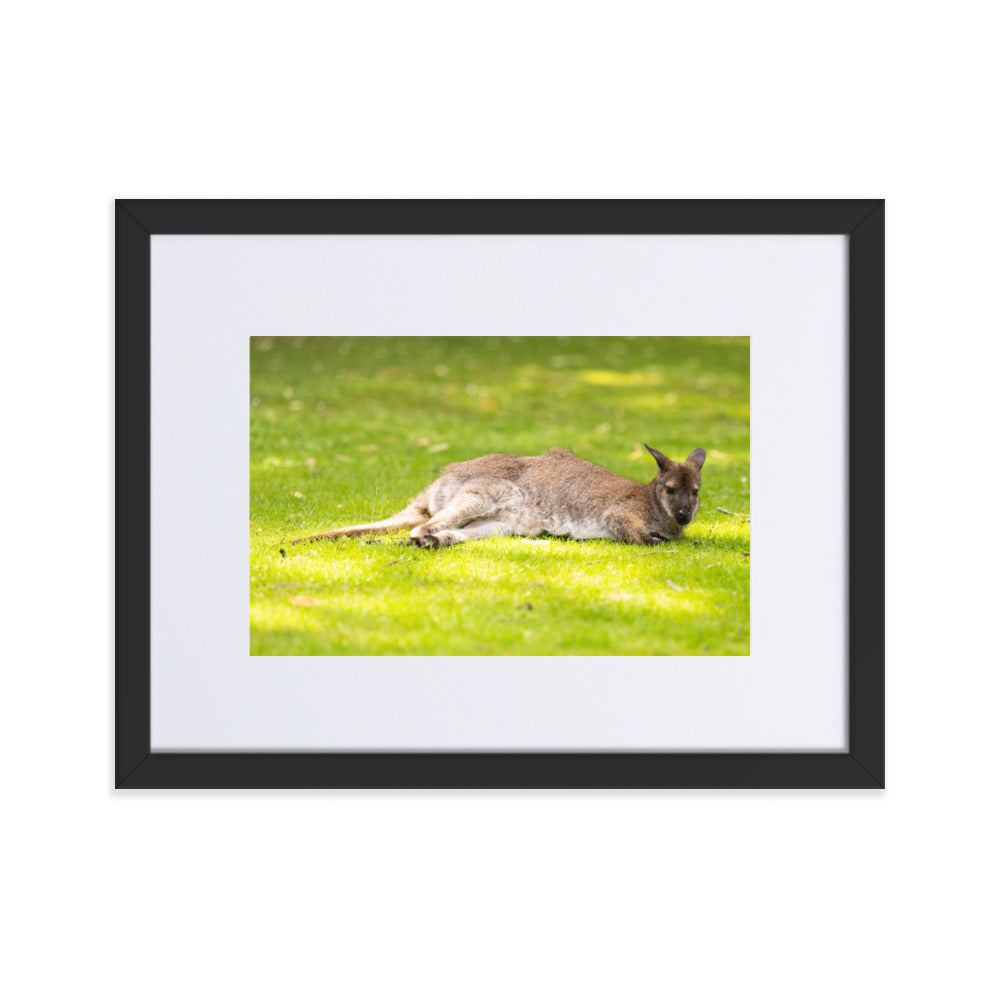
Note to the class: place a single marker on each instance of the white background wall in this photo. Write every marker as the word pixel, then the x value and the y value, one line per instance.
pixel 466 895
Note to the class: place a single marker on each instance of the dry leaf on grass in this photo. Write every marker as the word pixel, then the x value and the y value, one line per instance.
pixel 302 601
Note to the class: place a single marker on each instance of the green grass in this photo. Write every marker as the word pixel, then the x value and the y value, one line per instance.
pixel 344 430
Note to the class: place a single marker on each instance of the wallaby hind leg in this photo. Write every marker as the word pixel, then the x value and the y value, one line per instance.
pixel 476 502
pixel 488 528
pixel 416 513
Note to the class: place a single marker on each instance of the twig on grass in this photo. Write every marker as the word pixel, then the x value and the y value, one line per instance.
pixel 733 513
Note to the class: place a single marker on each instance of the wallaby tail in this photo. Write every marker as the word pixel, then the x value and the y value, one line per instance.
pixel 408 518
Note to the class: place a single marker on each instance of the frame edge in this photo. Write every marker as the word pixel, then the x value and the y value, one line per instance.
pixel 132 501
pixel 866 465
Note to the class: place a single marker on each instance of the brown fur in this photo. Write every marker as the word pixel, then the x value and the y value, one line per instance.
pixel 557 493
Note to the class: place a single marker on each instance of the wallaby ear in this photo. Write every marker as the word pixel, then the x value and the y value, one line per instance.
pixel 697 457
pixel 661 460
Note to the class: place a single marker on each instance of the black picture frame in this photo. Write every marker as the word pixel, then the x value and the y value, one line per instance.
pixel 861 766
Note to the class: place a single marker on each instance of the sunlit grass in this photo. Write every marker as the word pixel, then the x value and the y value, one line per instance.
pixel 348 429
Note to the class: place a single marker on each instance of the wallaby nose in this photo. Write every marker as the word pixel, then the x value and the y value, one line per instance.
pixel 683 515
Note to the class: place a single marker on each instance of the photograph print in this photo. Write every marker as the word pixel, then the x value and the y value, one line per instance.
pixel 499 496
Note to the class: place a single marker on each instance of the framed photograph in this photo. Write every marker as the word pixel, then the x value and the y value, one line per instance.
pixel 499 494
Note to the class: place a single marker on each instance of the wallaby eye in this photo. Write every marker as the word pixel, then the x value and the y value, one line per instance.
pixel 671 490
pixel 695 492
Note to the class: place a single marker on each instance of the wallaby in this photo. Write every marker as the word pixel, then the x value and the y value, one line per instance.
pixel 557 493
